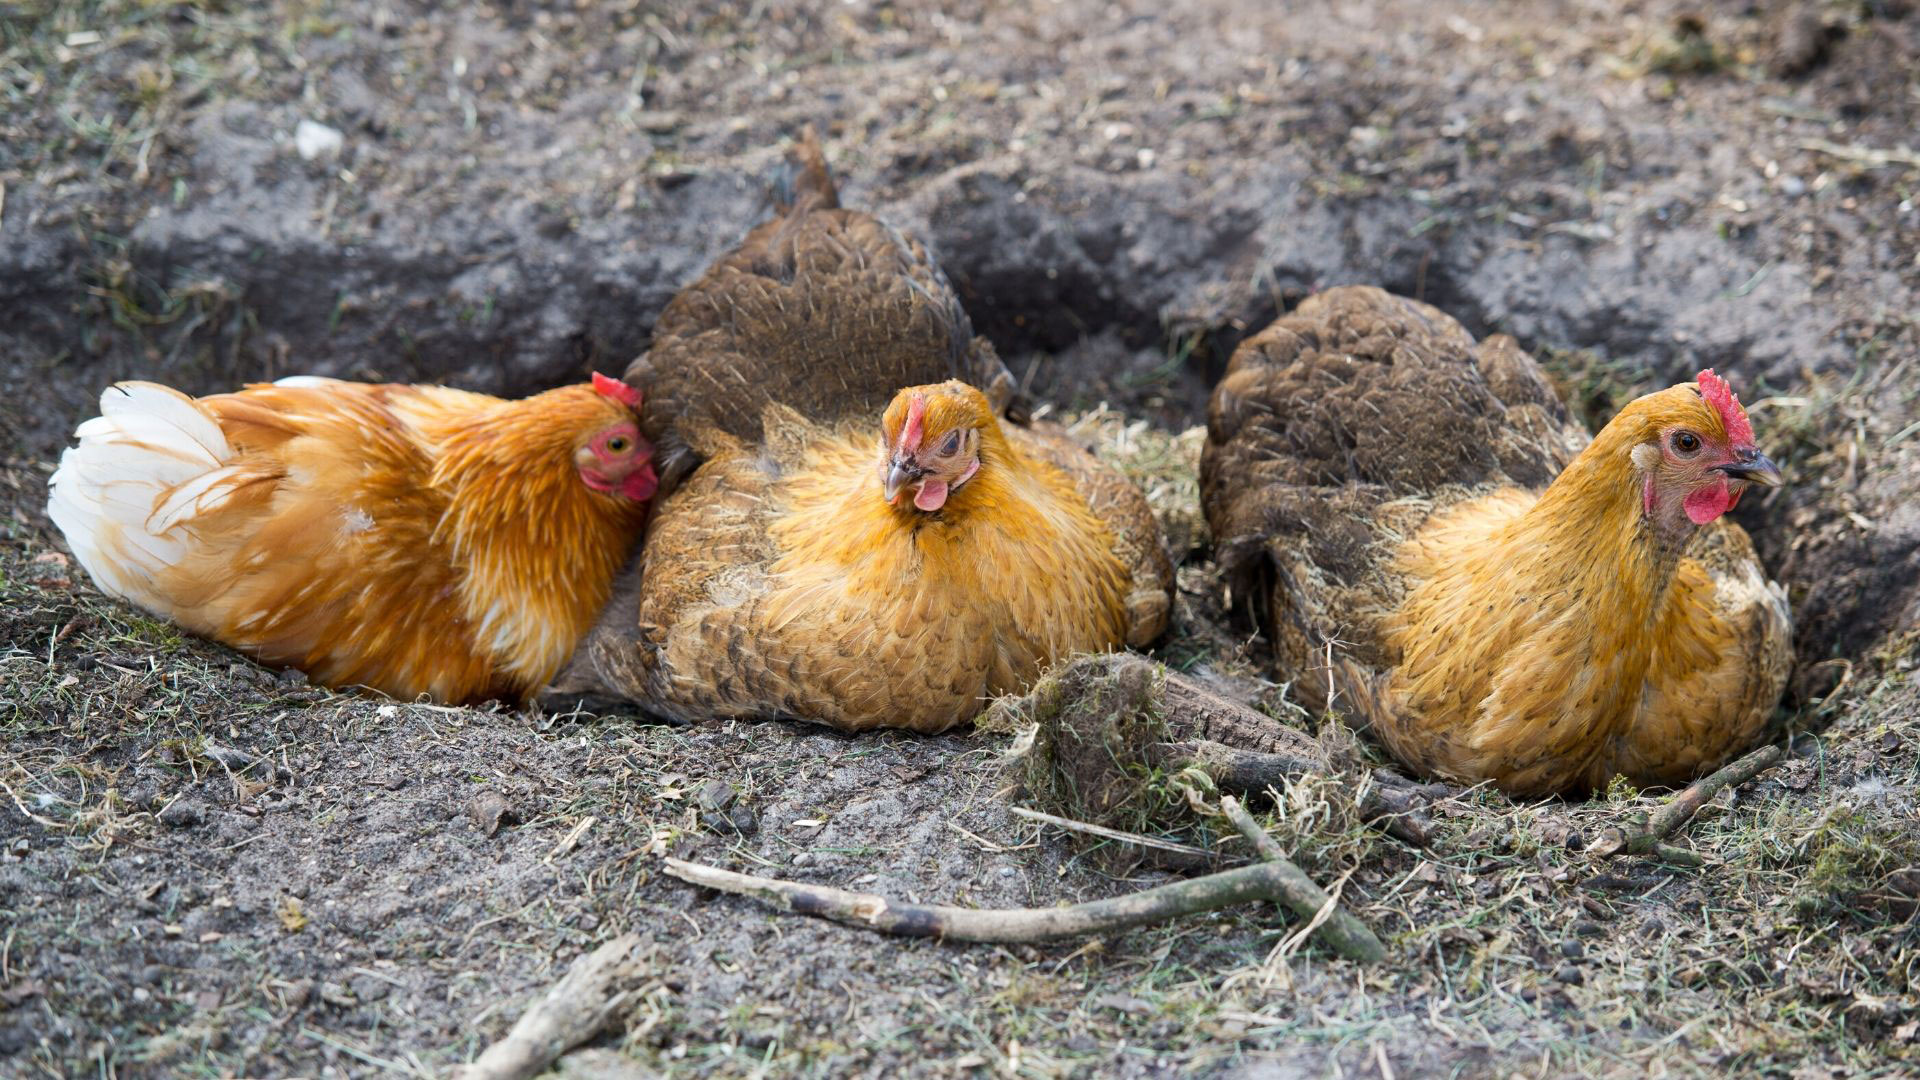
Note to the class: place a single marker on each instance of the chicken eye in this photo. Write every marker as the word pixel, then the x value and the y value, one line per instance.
pixel 618 444
pixel 951 446
pixel 1686 442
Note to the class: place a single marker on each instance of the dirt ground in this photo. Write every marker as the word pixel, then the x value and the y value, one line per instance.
pixel 207 868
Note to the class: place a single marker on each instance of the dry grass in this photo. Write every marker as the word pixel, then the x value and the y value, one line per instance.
pixel 1165 465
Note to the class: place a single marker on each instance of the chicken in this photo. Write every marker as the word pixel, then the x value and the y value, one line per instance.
pixel 412 539
pixel 1440 555
pixel 824 310
pixel 867 541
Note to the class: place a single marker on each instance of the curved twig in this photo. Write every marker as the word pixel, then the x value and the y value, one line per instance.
pixel 1261 881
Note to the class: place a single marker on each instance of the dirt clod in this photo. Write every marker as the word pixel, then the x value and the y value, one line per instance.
pixel 183 813
pixel 1802 44
pixel 488 809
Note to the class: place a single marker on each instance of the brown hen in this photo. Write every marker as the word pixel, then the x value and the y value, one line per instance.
pixel 867 541
pixel 826 311
pixel 1439 553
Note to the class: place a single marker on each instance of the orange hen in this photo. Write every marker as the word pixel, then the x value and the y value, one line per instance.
pixel 412 539
pixel 1379 487
pixel 866 541
pixel 898 581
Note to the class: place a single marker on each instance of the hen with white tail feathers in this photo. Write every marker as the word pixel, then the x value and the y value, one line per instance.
pixel 413 539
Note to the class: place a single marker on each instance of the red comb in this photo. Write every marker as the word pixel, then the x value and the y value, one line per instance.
pixel 616 389
pixel 1727 404
pixel 915 428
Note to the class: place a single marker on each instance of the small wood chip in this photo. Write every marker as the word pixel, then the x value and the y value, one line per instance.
pixel 487 810
pixel 572 839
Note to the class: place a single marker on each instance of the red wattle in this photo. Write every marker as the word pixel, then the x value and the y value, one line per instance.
pixel 1705 504
pixel 641 485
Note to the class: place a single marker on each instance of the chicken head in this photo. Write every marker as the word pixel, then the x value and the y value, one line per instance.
pixel 1695 454
pixel 931 440
pixel 615 457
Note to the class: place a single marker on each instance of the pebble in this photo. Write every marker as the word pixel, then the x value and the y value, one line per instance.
pixel 367 988
pixel 743 820
pixel 714 796
pixel 313 140
pixel 722 808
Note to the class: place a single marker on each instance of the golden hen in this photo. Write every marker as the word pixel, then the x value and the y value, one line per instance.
pixel 867 542
pixel 413 539
pixel 1439 553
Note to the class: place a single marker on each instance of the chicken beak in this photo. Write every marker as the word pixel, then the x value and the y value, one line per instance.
pixel 1753 467
pixel 899 475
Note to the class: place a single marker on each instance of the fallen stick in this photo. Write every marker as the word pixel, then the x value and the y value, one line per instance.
pixel 1872 157
pixel 573 1010
pixel 1680 809
pixel 1683 806
pixel 1262 841
pixel 1261 881
pixel 1347 935
pixel 1196 856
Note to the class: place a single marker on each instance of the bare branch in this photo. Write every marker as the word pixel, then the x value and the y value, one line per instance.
pixel 1261 881
pixel 1679 810
pixel 573 1010
pixel 1347 935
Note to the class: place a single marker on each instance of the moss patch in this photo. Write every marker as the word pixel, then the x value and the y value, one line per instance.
pixel 1860 863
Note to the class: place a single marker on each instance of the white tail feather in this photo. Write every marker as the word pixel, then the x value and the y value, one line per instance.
pixel 200 495
pixel 151 462
pixel 145 399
